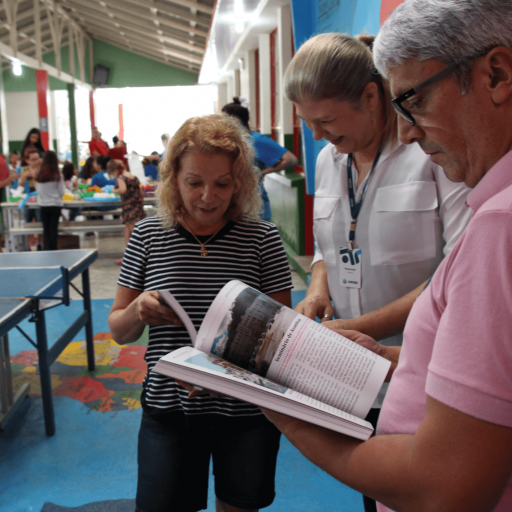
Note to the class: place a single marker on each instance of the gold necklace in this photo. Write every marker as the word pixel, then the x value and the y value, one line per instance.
pixel 204 252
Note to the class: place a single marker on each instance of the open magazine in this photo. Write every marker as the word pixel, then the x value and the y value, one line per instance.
pixel 255 349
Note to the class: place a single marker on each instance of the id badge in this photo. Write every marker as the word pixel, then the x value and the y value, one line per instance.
pixel 350 268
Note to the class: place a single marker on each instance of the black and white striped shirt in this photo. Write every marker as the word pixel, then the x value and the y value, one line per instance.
pixel 158 259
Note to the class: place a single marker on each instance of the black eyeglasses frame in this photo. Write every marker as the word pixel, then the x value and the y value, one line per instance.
pixel 397 102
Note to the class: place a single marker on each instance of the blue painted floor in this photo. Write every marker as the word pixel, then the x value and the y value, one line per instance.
pixel 92 456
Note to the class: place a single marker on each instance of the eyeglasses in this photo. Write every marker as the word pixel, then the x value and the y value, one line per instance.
pixel 397 102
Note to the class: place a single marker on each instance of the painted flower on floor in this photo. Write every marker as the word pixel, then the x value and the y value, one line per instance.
pixel 115 385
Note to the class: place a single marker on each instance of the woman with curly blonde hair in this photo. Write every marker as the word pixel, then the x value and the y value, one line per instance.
pixel 207 233
pixel 210 135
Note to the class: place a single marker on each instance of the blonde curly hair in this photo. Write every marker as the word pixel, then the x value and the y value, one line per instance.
pixel 212 135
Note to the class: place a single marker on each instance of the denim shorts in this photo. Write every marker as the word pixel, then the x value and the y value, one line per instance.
pixel 174 466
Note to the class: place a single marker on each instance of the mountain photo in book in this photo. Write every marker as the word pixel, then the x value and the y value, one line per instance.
pixel 251 331
pixel 253 348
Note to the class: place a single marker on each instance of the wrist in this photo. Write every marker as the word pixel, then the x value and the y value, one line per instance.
pixel 318 296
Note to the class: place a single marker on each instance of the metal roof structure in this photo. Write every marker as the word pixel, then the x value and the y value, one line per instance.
pixel 173 32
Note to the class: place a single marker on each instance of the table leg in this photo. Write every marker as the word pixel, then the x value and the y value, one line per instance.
pixel 44 371
pixel 4 394
pixel 86 290
pixel 8 373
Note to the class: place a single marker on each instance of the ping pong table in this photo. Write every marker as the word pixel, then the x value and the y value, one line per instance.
pixel 31 283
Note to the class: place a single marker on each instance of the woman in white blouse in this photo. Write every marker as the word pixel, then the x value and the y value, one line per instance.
pixel 384 214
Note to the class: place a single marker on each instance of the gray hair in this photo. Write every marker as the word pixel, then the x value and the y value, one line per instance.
pixel 336 66
pixel 445 30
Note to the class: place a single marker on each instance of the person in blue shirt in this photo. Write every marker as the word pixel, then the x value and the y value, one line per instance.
pixel 270 156
pixel 102 178
pixel 150 169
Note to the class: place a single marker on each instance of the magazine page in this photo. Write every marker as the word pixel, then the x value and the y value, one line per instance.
pixel 258 390
pixel 244 327
pixel 182 314
pixel 324 365
pixel 258 334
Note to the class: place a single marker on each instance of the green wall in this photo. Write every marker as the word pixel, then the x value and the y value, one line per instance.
pixel 130 70
pixel 126 70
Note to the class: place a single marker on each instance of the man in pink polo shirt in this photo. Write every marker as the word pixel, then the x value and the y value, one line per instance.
pixel 444 438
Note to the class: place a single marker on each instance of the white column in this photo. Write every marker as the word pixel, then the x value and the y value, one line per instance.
pixel 284 47
pixel 222 91
pixel 230 88
pixel 236 82
pixel 3 119
pixel 250 67
pixel 265 114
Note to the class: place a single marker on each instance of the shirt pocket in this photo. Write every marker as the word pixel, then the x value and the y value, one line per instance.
pixel 403 223
pixel 323 218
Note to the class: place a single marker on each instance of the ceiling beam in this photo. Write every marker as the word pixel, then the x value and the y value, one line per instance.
pixel 148 55
pixel 148 50
pixel 38 34
pixel 7 52
pixel 25 28
pixel 30 30
pixel 56 20
pixel 11 12
pixel 29 49
pixel 25 36
pixel 164 6
pixel 140 41
pixel 148 14
pixel 144 32
pixel 176 11
pixel 28 13
pixel 107 24
pixel 23 41
pixel 128 21
pixel 93 8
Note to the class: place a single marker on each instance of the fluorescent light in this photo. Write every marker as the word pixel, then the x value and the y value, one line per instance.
pixel 17 69
pixel 239 26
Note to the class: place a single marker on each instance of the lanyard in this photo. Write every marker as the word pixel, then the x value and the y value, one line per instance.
pixel 355 208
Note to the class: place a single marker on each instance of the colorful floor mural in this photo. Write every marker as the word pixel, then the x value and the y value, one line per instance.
pixel 115 385
pixel 93 455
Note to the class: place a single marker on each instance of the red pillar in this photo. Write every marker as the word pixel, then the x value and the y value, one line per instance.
pixel 42 88
pixel 91 108
pixel 121 123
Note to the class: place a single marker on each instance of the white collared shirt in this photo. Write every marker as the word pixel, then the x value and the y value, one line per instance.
pixel 410 218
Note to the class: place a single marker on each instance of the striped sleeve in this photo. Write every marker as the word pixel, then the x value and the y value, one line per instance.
pixel 133 269
pixel 275 269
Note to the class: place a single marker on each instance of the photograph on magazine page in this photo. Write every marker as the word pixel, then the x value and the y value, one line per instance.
pixel 251 331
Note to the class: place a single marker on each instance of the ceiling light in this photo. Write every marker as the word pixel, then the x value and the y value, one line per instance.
pixel 17 69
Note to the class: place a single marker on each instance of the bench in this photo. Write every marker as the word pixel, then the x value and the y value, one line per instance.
pixel 68 228
pixel 16 230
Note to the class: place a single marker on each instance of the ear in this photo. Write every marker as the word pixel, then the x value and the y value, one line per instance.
pixel 497 67
pixel 370 97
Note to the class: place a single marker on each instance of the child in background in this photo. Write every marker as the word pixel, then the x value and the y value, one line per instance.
pixel 132 200
pixel 7 177
pixel 70 173
pixel 50 189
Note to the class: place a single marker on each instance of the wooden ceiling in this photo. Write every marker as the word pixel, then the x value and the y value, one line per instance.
pixel 171 32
